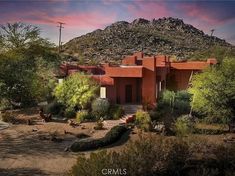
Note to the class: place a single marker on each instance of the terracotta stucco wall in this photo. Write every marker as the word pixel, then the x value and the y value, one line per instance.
pixel 129 60
pixel 120 84
pixel 179 79
pixel 149 80
pixel 111 94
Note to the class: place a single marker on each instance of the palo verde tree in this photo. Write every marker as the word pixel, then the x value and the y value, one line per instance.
pixel 76 91
pixel 27 64
pixel 214 92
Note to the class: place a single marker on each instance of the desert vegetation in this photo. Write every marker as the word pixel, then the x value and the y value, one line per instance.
pixel 165 156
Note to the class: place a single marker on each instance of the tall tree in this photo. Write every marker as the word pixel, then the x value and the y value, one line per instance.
pixel 214 92
pixel 27 63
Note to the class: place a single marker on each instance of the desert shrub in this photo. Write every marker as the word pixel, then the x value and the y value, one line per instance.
pixel 83 116
pixel 225 155
pixel 182 102
pixel 184 125
pixel 77 90
pixel 208 131
pixel 177 103
pixel 154 115
pixel 143 120
pixel 54 108
pixel 146 156
pixel 5 104
pixel 149 156
pixel 112 136
pixel 99 125
pixel 167 97
pixel 7 117
pixel 100 107
pixel 70 113
pixel 116 112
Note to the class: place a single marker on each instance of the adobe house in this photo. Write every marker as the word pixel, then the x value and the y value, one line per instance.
pixel 140 79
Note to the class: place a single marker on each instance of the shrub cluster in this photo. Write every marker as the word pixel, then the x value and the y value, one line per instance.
pixel 100 107
pixel 112 136
pixel 83 116
pixel 7 117
pixel 208 131
pixel 150 156
pixel 99 125
pixel 184 125
pixel 116 112
pixel 5 104
pixel 145 157
pixel 54 108
pixel 143 120
pixel 176 103
pixel 70 113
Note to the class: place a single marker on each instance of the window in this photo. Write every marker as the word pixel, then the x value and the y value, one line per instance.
pixel 102 92
pixel 60 81
pixel 160 86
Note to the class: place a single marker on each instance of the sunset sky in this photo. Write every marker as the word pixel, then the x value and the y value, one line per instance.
pixel 83 16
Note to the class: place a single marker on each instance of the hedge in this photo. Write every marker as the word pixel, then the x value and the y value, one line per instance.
pixel 209 131
pixel 112 136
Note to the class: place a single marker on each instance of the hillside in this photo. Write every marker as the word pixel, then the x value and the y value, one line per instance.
pixel 168 36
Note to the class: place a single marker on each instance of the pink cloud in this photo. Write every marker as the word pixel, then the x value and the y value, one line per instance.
pixel 83 20
pixel 148 10
pixel 88 20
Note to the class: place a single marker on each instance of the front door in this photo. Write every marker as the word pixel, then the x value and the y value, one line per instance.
pixel 128 92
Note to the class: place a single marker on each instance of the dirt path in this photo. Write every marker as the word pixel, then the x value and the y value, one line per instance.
pixel 24 150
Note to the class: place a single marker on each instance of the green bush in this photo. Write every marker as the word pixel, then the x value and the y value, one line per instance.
pixel 143 120
pixel 116 112
pixel 182 102
pixel 112 136
pixel 77 90
pixel 167 97
pixel 161 156
pixel 5 105
pixel 100 107
pixel 152 157
pixel 99 125
pixel 83 116
pixel 54 108
pixel 7 117
pixel 70 114
pixel 177 103
pixel 208 131
pixel 184 125
pixel 154 115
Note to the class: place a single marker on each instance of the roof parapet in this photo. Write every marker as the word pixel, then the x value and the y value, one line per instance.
pixel 212 61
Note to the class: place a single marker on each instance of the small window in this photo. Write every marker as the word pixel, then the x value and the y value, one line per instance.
pixel 102 92
pixel 160 86
pixel 60 81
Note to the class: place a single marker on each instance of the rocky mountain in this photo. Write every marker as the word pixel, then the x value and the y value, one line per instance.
pixel 168 36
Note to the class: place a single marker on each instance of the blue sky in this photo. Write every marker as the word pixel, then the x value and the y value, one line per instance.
pixel 83 16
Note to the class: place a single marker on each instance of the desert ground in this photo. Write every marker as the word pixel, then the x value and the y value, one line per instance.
pixel 29 150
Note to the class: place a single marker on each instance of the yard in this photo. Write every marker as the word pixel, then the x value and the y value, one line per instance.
pixel 30 150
